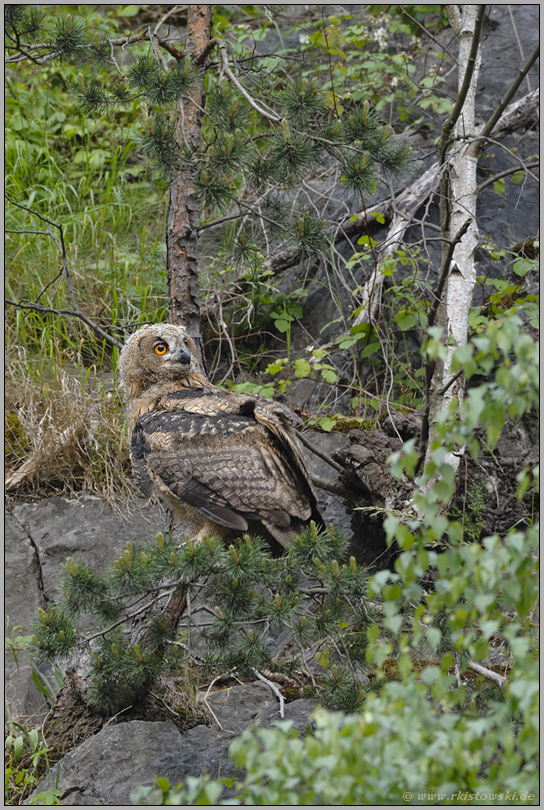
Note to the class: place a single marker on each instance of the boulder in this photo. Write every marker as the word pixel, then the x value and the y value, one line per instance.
pixel 38 539
pixel 108 766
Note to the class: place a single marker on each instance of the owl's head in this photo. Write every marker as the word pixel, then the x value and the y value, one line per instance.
pixel 157 353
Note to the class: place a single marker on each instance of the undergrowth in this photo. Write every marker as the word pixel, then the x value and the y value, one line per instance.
pixel 64 427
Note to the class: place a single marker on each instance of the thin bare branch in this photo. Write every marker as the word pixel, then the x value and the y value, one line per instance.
pixel 488 673
pixel 274 688
pixel 328 486
pixel 427 32
pixel 323 456
pixel 518 40
pixel 488 127
pixel 505 173
pixel 221 45
pixel 71 314
pixel 163 19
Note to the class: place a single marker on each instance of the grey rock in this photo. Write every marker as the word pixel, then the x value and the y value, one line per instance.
pixel 23 597
pixel 85 527
pixel 38 539
pixel 331 506
pixel 107 767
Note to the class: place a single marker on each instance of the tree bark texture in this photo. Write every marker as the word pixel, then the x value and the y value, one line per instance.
pixel 183 210
pixel 459 191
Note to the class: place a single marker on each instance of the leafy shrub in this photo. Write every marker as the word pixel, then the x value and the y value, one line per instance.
pixel 451 709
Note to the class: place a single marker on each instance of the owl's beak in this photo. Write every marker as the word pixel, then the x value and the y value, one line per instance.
pixel 182 356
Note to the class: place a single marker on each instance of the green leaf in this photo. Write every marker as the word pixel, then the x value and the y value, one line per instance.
pixel 522 267
pixel 128 11
pixel 281 325
pixel 323 658
pixel 163 784
pixel 366 240
pixel 379 217
pixel 517 177
pixel 346 341
pixel 499 186
pixel 370 349
pixel 433 637
pixel 17 748
pixel 329 375
pixel 40 686
pixel 302 369
pixel 406 320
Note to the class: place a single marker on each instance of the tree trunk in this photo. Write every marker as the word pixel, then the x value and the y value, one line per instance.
pixel 458 214
pixel 183 210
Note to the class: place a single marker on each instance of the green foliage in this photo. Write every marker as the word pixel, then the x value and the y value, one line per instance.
pixel 355 61
pixel 433 723
pixel 308 590
pixel 376 346
pixel 470 511
pixel 26 755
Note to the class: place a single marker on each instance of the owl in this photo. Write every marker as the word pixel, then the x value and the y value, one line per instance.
pixel 223 462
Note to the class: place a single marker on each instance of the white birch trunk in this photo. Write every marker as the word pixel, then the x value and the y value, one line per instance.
pixel 461 280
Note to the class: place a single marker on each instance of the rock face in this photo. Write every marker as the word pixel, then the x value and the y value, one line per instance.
pixel 23 597
pixel 107 767
pixel 38 539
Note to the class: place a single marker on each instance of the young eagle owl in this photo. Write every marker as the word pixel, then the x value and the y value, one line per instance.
pixel 220 460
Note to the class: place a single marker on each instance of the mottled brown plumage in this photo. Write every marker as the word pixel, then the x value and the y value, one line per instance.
pixel 221 461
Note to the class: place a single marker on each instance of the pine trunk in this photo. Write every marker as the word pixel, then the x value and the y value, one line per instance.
pixel 183 210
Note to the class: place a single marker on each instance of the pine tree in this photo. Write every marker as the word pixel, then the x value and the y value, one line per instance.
pixel 251 594
pixel 239 149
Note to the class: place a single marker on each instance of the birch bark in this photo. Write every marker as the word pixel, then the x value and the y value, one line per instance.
pixel 458 204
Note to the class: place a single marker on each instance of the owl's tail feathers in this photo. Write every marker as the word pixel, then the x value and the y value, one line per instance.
pixel 225 517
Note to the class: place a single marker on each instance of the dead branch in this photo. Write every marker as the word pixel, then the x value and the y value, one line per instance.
pixel 71 314
pixel 495 117
pixel 488 673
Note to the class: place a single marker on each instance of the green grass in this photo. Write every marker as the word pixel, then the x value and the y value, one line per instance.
pixel 83 175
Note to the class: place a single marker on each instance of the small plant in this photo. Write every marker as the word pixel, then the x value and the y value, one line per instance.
pixel 15 644
pixel 26 758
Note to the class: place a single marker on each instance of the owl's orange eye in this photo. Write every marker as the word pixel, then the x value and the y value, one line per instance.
pixel 161 348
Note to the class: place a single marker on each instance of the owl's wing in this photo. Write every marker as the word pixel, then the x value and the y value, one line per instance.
pixel 228 466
